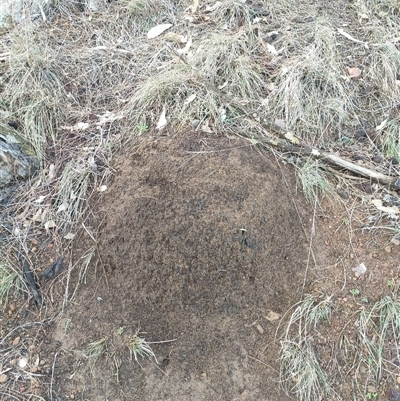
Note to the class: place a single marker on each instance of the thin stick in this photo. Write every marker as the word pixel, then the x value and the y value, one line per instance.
pixel 52 376
pixel 310 250
pixel 265 364
pixel 161 342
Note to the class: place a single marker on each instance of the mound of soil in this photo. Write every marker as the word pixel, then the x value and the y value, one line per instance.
pixel 201 240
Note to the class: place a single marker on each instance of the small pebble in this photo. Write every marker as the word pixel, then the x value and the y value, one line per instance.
pixel 16 341
pixel 12 307
pixel 3 378
pixel 377 159
pixel 398 379
pixel 22 363
pixel 388 249
pixel 343 194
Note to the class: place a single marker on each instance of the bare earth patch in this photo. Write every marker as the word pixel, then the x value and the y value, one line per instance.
pixel 200 241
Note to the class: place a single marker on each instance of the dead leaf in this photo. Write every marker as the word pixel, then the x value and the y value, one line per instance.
pixel 363 16
pixel 102 188
pixel 271 49
pixel 69 236
pixel 382 125
pixel 109 116
pixel 353 39
pixel 186 49
pixel 354 72
pixel 77 127
pixel 189 99
pixel 360 270
pixel 50 224
pixel 157 30
pixel 272 316
pixel 62 207
pixel 206 127
pixel 270 86
pixel 162 121
pixel 38 216
pixel 52 173
pixel 40 199
pixel 395 241
pixel 290 136
pixel 386 209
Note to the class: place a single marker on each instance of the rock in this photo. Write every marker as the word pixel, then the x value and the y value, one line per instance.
pixel 22 363
pixel 343 194
pixel 388 249
pixel 398 379
pixel 272 316
pixel 3 378
pixel 377 159
pixel 17 158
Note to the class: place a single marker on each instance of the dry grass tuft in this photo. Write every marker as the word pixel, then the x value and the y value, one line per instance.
pixel 10 281
pixel 232 14
pixel 314 181
pixel 309 93
pixel 233 63
pixel 173 90
pixel 301 372
pixel 33 91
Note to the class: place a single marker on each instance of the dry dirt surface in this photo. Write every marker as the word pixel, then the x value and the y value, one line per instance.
pixel 202 244
pixel 202 238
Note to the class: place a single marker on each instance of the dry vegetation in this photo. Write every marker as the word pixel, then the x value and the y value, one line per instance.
pixel 81 84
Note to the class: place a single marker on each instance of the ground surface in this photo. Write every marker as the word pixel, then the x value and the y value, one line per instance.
pixel 197 250
pixel 201 238
pixel 199 242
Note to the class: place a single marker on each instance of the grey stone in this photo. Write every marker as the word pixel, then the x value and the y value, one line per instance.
pixel 17 159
